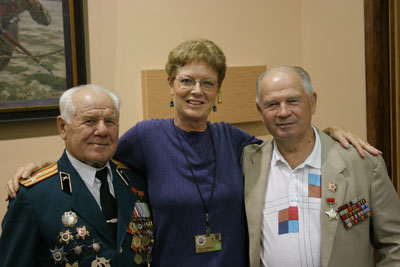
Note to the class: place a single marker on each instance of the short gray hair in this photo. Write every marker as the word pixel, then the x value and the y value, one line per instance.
pixel 307 84
pixel 67 105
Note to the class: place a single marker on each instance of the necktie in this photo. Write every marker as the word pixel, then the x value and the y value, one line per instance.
pixel 107 201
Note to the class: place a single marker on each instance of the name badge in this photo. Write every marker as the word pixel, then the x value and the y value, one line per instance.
pixel 207 243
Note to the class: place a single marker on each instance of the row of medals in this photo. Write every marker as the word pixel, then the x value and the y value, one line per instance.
pixel 141 229
pixel 69 219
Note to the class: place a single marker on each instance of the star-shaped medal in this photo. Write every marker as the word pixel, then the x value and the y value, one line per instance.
pixel 58 255
pixel 332 214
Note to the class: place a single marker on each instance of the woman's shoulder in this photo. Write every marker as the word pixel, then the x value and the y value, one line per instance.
pixel 152 124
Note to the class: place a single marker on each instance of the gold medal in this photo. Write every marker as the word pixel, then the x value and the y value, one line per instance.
pixel 100 262
pixel 136 242
pixel 66 237
pixel 145 241
pixel 138 258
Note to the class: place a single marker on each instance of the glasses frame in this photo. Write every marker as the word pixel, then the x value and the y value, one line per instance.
pixel 200 82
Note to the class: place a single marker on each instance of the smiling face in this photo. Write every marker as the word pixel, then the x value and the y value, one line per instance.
pixel 284 106
pixel 92 134
pixel 192 106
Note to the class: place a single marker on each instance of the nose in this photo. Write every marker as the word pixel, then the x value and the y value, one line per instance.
pixel 284 111
pixel 197 88
pixel 101 128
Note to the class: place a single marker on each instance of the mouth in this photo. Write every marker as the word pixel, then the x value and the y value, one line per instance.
pixel 282 125
pixel 99 144
pixel 195 102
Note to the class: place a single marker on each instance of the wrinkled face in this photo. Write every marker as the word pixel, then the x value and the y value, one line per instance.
pixel 284 106
pixel 92 134
pixel 194 105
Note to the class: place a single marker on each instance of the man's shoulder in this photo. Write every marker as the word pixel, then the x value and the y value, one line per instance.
pixel 333 149
pixel 40 175
pixel 258 148
pixel 127 174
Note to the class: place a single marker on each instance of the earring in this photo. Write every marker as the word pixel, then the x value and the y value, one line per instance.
pixel 171 104
pixel 219 97
pixel 215 108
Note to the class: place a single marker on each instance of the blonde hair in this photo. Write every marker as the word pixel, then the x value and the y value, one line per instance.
pixel 197 50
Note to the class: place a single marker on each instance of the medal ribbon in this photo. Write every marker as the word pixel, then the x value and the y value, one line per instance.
pixel 205 207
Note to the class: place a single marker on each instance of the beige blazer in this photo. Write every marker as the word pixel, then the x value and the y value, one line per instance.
pixel 354 176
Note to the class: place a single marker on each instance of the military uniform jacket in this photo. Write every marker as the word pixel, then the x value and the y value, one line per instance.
pixel 353 176
pixel 32 227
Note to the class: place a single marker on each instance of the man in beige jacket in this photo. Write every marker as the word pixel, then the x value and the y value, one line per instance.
pixel 309 201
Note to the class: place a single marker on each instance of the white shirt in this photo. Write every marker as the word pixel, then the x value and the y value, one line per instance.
pixel 291 226
pixel 88 175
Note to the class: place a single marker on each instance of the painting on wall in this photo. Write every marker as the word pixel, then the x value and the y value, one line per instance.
pixel 41 55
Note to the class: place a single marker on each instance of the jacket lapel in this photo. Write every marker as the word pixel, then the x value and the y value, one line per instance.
pixel 256 166
pixel 126 202
pixel 332 168
pixel 83 202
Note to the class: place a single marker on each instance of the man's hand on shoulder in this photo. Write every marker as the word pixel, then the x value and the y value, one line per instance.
pixel 23 172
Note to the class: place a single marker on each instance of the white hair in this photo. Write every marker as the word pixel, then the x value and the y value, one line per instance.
pixel 67 105
pixel 307 85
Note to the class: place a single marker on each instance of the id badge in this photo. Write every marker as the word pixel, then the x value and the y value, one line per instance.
pixel 207 243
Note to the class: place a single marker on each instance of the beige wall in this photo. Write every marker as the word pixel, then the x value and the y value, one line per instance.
pixel 326 37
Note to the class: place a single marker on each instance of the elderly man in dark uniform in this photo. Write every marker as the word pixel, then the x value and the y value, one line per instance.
pixel 84 210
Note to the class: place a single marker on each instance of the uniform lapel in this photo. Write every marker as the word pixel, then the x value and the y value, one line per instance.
pixel 83 202
pixel 126 202
pixel 332 167
pixel 256 166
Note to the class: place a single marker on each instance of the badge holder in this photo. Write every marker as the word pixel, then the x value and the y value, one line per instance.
pixel 208 242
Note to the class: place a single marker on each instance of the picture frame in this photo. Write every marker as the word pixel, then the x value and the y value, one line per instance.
pixel 45 61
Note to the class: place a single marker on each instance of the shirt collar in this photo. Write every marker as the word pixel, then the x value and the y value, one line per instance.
pixel 313 160
pixel 87 172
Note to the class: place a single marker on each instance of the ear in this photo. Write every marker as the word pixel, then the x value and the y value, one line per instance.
pixel 61 125
pixel 260 113
pixel 313 101
pixel 171 86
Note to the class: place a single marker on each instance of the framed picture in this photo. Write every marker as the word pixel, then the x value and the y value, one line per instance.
pixel 42 54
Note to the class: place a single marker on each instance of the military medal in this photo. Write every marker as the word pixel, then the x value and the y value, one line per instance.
pixel 75 264
pixel 138 259
pixel 332 187
pixel 82 232
pixel 100 262
pixel 66 237
pixel 78 250
pixel 136 242
pixel 96 247
pixel 332 214
pixel 58 255
pixel 69 219
pixel 354 212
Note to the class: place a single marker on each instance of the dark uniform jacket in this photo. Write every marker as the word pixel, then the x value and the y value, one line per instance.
pixel 55 221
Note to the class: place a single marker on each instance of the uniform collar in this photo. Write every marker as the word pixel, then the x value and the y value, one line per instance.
pixel 87 172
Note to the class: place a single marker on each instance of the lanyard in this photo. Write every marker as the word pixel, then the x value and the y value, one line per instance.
pixel 205 207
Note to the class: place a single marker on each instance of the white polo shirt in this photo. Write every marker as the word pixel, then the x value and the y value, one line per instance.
pixel 291 226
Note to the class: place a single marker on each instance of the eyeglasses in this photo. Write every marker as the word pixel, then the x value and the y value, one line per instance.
pixel 190 83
